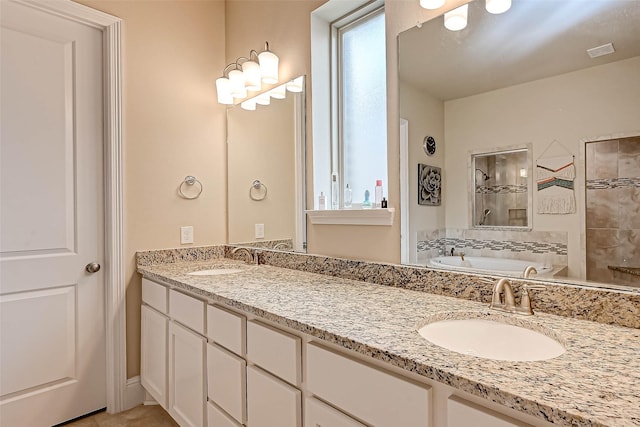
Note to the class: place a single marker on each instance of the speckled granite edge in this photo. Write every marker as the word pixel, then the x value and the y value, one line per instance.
pixel 597 305
pixel 167 256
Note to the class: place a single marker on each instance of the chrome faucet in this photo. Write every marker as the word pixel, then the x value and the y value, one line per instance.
pixel 528 271
pixel 250 258
pixel 508 302
pixel 462 255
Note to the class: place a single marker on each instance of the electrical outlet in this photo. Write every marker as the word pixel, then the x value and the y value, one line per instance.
pixel 259 231
pixel 186 235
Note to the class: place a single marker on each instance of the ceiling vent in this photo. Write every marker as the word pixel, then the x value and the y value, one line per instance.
pixel 605 49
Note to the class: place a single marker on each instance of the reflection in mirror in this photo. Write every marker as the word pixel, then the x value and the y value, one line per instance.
pixel 265 173
pixel 526 76
pixel 501 189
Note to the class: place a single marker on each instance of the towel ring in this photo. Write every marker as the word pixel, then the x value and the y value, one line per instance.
pixel 257 186
pixel 190 181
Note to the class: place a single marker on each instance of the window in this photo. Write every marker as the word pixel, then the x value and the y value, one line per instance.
pixel 360 107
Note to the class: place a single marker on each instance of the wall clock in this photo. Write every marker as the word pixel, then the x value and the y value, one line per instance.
pixel 429 145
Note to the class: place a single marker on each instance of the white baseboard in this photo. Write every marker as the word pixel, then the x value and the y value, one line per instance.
pixel 134 393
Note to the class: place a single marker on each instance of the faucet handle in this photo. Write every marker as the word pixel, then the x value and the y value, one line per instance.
pixel 525 299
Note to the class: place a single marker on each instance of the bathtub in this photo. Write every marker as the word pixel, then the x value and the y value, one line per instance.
pixel 488 265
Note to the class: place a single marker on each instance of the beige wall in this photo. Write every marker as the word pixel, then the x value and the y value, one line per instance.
pixel 173 127
pixel 425 115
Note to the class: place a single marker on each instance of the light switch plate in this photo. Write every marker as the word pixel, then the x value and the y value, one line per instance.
pixel 186 235
pixel 259 231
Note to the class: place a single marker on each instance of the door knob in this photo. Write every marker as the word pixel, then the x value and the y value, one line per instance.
pixel 92 267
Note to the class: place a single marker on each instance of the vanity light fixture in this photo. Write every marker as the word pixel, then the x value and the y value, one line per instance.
pixel 279 92
pixel 497 6
pixel 247 74
pixel 431 4
pixel 456 19
pixel 249 104
pixel 295 85
pixel 263 99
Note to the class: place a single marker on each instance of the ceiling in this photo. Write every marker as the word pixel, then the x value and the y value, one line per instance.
pixel 534 39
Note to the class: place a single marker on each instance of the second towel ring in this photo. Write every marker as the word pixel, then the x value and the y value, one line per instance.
pixel 257 191
pixel 190 181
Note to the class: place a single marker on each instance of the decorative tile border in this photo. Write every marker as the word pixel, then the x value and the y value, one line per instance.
pixel 501 189
pixel 495 245
pixel 611 183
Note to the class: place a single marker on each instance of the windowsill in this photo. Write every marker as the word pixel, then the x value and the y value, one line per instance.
pixel 352 217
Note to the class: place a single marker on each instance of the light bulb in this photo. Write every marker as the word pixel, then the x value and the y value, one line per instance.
pixel 268 67
pixel 249 104
pixel 223 87
pixel 497 6
pixel 456 20
pixel 296 85
pixel 431 4
pixel 251 72
pixel 278 92
pixel 263 99
pixel 236 78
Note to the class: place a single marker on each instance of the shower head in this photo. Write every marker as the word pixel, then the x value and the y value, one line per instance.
pixel 486 212
pixel 484 175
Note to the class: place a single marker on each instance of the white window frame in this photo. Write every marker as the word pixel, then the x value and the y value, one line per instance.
pixel 338 28
pixel 324 89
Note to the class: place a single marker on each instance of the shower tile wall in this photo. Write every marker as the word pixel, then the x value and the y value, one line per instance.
pixel 613 208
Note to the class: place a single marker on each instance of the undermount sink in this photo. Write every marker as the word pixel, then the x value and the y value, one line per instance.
pixel 215 272
pixel 492 339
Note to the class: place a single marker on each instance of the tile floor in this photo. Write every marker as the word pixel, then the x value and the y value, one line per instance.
pixel 140 416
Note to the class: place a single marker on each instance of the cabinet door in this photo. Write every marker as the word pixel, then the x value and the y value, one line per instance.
pixel 270 401
pixel 318 414
pixel 462 413
pixel 217 418
pixel 153 356
pixel 226 380
pixel 186 376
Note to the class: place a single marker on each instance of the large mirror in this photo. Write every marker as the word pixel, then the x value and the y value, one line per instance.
pixel 557 76
pixel 265 164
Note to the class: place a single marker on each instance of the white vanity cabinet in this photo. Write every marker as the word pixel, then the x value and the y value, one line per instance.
pixel 462 413
pixel 173 349
pixel 154 324
pixel 273 398
pixel 376 397
pixel 319 414
pixel 226 367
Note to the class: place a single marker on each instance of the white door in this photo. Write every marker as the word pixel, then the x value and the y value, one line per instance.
pixel 52 330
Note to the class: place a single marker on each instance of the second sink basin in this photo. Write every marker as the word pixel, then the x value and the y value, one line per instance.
pixel 491 340
pixel 215 272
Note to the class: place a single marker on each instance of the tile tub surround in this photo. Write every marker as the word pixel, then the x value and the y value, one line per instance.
pixel 604 306
pixel 595 383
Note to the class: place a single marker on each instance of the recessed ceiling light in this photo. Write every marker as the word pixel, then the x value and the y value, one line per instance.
pixel 605 49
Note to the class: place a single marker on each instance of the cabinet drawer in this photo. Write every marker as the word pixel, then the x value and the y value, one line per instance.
pixel 275 351
pixel 271 402
pixel 217 418
pixel 462 413
pixel 227 329
pixel 318 414
pixel 226 379
pixel 377 397
pixel 155 295
pixel 187 310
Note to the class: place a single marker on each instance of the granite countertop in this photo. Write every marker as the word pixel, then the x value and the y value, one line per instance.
pixel 596 382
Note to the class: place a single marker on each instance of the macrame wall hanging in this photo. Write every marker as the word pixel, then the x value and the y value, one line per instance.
pixel 555 177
